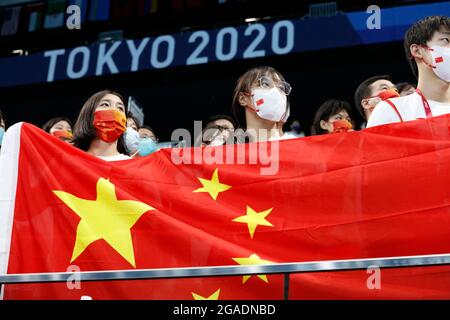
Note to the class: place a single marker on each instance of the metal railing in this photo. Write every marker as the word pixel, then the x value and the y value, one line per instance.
pixel 195 272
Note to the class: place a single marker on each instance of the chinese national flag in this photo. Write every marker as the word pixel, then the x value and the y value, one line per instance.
pixel 380 192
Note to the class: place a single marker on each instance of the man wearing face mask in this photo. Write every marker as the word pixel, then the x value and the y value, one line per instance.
pixel 371 92
pixel 427 45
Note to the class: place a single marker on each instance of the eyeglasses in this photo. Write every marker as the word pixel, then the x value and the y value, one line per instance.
pixel 268 83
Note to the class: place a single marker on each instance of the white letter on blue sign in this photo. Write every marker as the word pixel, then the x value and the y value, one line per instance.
pixel 74 20
pixel 374 21
pixel 86 55
pixel 136 52
pixel 53 54
pixel 154 60
pixel 105 58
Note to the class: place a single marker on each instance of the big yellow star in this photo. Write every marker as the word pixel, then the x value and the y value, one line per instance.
pixel 213 186
pixel 105 218
pixel 254 219
pixel 214 296
pixel 253 259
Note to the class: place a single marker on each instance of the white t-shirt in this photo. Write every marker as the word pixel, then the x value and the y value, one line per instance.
pixel 117 157
pixel 285 136
pixel 410 108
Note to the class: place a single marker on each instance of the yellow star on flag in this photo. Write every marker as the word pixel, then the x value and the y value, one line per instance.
pixel 213 186
pixel 214 296
pixel 105 218
pixel 253 259
pixel 254 219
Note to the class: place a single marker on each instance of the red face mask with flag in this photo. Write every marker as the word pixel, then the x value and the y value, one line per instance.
pixel 62 134
pixel 388 94
pixel 341 126
pixel 110 124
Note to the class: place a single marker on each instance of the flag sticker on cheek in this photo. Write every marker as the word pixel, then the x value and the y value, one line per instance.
pixel 439 59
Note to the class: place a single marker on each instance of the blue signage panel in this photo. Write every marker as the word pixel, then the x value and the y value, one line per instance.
pixel 204 46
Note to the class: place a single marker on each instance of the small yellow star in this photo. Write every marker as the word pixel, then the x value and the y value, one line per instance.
pixel 213 186
pixel 214 296
pixel 253 259
pixel 105 218
pixel 254 219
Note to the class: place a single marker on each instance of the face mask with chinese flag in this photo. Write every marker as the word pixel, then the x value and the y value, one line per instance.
pixel 342 126
pixel 388 94
pixel 441 60
pixel 109 124
pixel 62 135
pixel 384 95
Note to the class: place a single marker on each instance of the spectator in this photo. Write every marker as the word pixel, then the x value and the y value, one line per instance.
pixel 214 135
pixel 405 88
pixel 2 128
pixel 59 127
pixel 132 122
pixel 331 117
pixel 223 126
pixel 261 103
pixel 147 132
pixel 296 130
pixel 147 141
pixel 100 126
pixel 427 46
pixel 371 92
pixel 222 120
pixel 131 136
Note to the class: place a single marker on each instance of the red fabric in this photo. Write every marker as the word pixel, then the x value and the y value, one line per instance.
pixel 379 192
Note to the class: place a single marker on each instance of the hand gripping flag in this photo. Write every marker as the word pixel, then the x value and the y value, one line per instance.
pixel 380 192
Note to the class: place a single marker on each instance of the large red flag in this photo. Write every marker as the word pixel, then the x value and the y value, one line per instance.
pixel 380 192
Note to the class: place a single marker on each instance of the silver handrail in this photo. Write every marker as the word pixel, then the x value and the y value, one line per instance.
pixel 194 272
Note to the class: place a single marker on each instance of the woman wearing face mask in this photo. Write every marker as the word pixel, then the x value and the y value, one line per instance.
pixel 332 116
pixel 261 103
pixel 100 126
pixel 60 128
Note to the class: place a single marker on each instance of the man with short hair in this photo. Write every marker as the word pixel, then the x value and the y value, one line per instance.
pixel 427 45
pixel 371 92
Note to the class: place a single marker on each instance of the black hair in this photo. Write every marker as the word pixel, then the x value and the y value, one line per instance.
pixel 243 84
pixel 132 117
pixel 220 117
pixel 364 91
pixel 420 33
pixel 50 123
pixel 326 110
pixel 403 86
pixel 84 131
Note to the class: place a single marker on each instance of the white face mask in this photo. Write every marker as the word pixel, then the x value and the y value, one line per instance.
pixel 441 62
pixel 270 104
pixel 131 137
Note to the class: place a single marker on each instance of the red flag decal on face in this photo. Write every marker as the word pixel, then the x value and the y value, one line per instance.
pixel 439 59
pixel 259 102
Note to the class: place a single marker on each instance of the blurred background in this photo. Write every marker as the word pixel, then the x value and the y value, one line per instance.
pixel 324 49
